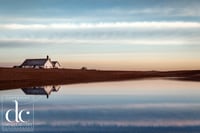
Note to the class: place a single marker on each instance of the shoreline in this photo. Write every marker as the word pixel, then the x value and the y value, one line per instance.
pixel 11 78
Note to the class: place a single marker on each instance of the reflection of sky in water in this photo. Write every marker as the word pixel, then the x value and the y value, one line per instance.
pixel 140 106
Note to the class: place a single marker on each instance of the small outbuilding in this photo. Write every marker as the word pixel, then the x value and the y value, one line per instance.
pixel 56 64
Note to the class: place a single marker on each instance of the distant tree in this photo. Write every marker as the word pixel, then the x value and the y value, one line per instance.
pixel 84 68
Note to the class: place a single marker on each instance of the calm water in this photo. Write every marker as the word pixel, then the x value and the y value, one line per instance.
pixel 141 106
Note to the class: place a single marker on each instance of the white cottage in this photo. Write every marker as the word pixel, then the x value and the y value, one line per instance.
pixel 40 63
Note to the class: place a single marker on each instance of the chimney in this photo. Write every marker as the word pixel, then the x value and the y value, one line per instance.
pixel 47 57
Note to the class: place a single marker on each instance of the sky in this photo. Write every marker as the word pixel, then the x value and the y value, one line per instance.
pixel 102 34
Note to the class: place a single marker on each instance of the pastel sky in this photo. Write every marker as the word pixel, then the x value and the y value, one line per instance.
pixel 102 34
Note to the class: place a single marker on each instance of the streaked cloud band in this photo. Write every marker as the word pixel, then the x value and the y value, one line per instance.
pixel 145 24
pixel 99 42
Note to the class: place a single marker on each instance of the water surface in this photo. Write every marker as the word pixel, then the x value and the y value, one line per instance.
pixel 140 106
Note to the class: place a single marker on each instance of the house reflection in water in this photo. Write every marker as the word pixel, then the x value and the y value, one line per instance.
pixel 41 90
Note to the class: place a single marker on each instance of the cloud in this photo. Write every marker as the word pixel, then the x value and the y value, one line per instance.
pixel 96 41
pixel 131 33
pixel 144 25
pixel 87 11
pixel 193 11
